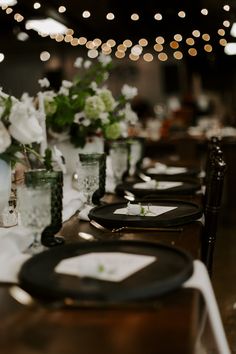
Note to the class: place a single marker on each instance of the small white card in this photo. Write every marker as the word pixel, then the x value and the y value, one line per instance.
pixel 168 170
pixel 159 185
pixel 149 210
pixel 109 266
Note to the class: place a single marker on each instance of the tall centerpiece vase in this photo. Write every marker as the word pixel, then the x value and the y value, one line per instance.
pixel 94 144
pixel 55 180
pixel 5 185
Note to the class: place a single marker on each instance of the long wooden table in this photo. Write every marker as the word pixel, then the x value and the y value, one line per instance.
pixel 168 324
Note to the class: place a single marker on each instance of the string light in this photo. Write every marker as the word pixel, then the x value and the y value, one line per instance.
pixel 92 53
pixel 178 37
pixel 110 16
pixel 158 47
pixel 9 10
pixel 97 42
pixel 119 55
pixel 143 42
pixel 86 14
pixel 74 42
pixel 121 48
pixel 2 57
pixel 133 57
pixel 221 32
pixel 226 23
pixel 160 40
pixel 148 57
pixel 206 37
pixel 196 33
pixel 178 55
pixel 82 40
pixel 204 12
pixel 226 7
pixel 158 17
pixel 192 52
pixel 223 42
pixel 162 56
pixel 127 43
pixel 190 41
pixel 44 56
pixel 182 14
pixel 208 48
pixel 134 17
pixel 37 5
pixel 62 9
pixel 137 49
pixel 174 44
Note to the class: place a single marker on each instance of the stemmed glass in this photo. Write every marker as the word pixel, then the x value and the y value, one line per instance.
pixel 135 155
pixel 119 160
pixel 34 206
pixel 88 179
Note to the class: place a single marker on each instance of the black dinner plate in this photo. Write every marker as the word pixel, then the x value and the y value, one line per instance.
pixel 185 212
pixel 186 188
pixel 170 269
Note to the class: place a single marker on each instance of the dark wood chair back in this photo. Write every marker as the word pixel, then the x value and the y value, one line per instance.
pixel 213 197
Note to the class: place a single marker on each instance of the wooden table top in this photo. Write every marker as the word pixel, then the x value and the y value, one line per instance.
pixel 167 324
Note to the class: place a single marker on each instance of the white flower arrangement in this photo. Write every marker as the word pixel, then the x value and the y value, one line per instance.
pixel 83 108
pixel 19 125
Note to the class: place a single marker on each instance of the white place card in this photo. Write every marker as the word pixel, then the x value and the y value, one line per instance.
pixel 158 185
pixel 109 266
pixel 168 170
pixel 147 210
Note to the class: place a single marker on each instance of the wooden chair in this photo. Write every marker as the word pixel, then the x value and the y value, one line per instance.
pixel 213 196
pixel 213 150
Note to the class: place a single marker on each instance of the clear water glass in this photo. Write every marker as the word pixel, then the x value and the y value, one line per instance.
pixel 88 179
pixel 135 155
pixel 119 160
pixel 34 206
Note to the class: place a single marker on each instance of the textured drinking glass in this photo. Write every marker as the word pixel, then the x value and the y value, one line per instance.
pixel 119 160
pixel 101 159
pixel 34 205
pixel 88 178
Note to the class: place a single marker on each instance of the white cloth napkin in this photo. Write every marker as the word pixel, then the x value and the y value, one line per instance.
pixel 109 266
pixel 13 242
pixel 158 185
pixel 200 280
pixel 152 210
pixel 168 170
pixel 73 200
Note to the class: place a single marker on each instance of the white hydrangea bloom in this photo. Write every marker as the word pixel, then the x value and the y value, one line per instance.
pixel 104 59
pixel 44 82
pixel 94 86
pixel 67 84
pixel 63 91
pixel 25 126
pixel 129 92
pixel 2 109
pixel 78 62
pixel 5 139
pixel 107 99
pixel 104 116
pixel 87 64
pixel 129 115
pixel 94 106
pixel 3 94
